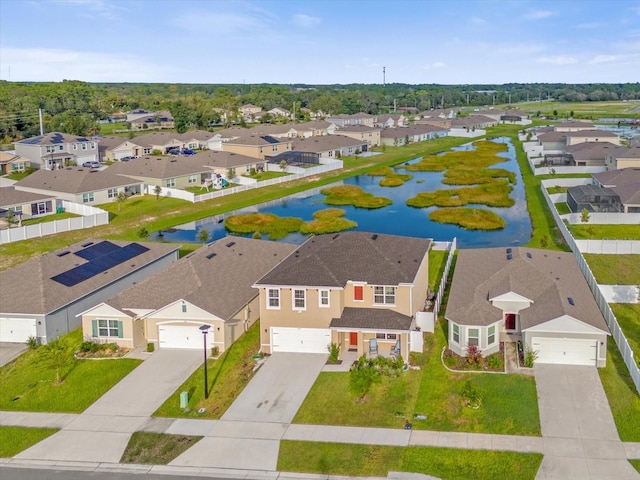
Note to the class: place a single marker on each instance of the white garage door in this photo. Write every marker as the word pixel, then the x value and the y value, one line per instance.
pixel 183 336
pixel 565 351
pixel 300 340
pixel 17 330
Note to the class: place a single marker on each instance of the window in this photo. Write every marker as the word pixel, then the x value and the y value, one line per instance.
pixel 387 336
pixel 84 146
pixel 193 178
pixel 93 146
pixel 16 209
pixel 87 197
pixel 384 295
pixel 491 337
pixel 456 333
pixel 171 182
pixel 75 146
pixel 358 293
pixel 184 308
pixel 323 298
pixel 108 328
pixel 147 150
pixel 273 298
pixel 299 301
pixel 112 193
pixel 61 148
pixel 472 336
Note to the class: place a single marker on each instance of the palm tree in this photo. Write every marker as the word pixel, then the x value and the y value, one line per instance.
pixel 157 190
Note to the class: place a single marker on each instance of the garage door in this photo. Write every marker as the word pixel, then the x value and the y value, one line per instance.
pixel 17 330
pixel 183 336
pixel 300 340
pixel 565 351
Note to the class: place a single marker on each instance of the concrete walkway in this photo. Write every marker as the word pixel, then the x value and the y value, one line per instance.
pixel 580 439
pixel 10 351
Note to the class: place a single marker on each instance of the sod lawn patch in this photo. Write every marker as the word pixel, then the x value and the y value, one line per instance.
pixel 614 269
pixel 376 460
pixel 556 189
pixel 14 440
pixel 609 232
pixel 228 375
pixel 562 208
pixel 628 316
pixel 353 195
pixel 635 464
pixel 156 448
pixel 29 383
pixel 437 262
pixel 469 218
pixel 622 394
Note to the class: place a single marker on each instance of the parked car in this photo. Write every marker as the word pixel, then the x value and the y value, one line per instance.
pixel 188 151
pixel 91 164
pixel 173 151
pixel 126 159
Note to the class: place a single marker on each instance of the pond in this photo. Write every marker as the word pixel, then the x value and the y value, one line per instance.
pixel 398 218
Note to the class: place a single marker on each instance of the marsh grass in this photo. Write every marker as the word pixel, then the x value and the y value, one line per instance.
pixel 273 226
pixel 469 218
pixel 353 195
pixel 494 194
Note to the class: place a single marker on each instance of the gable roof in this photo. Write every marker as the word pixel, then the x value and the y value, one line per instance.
pixel 548 278
pixel 10 196
pixel 324 143
pixel 217 277
pixel 30 287
pixel 612 178
pixel 334 260
pixel 74 180
pixel 53 138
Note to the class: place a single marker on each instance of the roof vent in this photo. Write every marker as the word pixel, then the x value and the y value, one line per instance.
pixel 509 250
pixel 509 256
pixel 86 244
pixel 62 254
pixel 211 255
pixel 571 302
pixel 529 255
pixel 374 236
pixel 335 236
pixel 230 244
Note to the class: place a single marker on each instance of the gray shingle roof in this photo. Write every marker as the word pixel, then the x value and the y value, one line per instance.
pixel 548 278
pixel 10 196
pixel 28 287
pixel 333 260
pixel 53 138
pixel 74 180
pixel 372 318
pixel 221 284
pixel 325 142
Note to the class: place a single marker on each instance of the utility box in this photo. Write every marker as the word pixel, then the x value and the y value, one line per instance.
pixel 184 399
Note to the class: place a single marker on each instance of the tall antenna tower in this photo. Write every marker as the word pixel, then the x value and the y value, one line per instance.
pixel 384 80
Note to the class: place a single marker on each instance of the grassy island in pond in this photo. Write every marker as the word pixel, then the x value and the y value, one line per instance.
pixel 273 226
pixel 391 178
pixel 494 194
pixel 328 220
pixel 352 195
pixel 469 218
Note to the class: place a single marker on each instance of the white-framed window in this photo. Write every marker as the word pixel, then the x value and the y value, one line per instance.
pixel 147 150
pixel 109 328
pixel 112 193
pixel 93 146
pixel 16 209
pixel 491 335
pixel 323 298
pixel 274 148
pixel 87 197
pixel 386 336
pixel 473 336
pixel 273 298
pixel 384 295
pixel 456 333
pixel 171 182
pixel 84 146
pixel 299 299
pixel 61 148
pixel 75 146
pixel 193 178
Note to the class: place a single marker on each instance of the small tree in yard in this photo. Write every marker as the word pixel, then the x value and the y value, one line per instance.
pixel 121 198
pixel 57 356
pixel 283 165
pixel 584 216
pixel 157 190
pixel 143 232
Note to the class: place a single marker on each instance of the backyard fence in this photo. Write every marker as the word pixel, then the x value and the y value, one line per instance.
pixel 605 309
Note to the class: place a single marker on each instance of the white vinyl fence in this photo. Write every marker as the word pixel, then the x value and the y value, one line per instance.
pixel 621 341
pixel 91 217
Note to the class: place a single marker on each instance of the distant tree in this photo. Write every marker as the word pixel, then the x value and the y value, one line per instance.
pixel 121 198
pixel 203 235
pixel 157 190
pixel 283 165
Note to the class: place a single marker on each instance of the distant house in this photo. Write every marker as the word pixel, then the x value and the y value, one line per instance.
pixel 25 204
pixel 412 134
pixel 574 138
pixel 151 120
pixel 358 290
pixel 169 307
pixel 350 120
pixel 536 296
pixel 573 126
pixel 42 297
pixel 370 135
pixel 622 157
pixel 12 163
pixel 330 146
pixel 250 112
pixel 257 146
pixel 56 150
pixel 391 121
pixel 279 112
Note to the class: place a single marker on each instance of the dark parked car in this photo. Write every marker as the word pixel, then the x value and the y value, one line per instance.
pixel 173 151
pixel 91 164
pixel 188 151
pixel 125 159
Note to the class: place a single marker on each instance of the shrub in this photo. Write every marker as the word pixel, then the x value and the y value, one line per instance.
pixel 33 343
pixel 471 395
pixel 89 347
pixel 495 362
pixel 334 352
pixel 530 357
pixel 215 351
pixel 474 354
pixel 151 347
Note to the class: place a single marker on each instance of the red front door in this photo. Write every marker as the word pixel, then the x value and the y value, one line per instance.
pixel 510 321
pixel 353 340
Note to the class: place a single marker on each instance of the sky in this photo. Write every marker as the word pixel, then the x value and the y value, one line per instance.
pixel 321 41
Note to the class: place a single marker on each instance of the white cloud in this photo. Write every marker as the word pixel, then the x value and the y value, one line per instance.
pixel 603 59
pixel 437 65
pixel 589 25
pixel 537 14
pixel 558 60
pixel 307 21
pixel 90 8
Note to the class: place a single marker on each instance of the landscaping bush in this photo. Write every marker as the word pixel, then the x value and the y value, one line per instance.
pixel 151 347
pixel 215 351
pixel 474 354
pixel 530 357
pixel 334 352
pixel 33 343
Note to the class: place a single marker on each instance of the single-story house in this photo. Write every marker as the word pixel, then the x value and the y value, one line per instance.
pixel 25 204
pixel 12 163
pixel 279 112
pixel 211 286
pixel 573 126
pixel 331 146
pixel 355 289
pixel 626 183
pixel 257 146
pixel 114 148
pixel 412 134
pixel 622 157
pixel 42 297
pixel 574 138
pixel 539 297
pixel 589 154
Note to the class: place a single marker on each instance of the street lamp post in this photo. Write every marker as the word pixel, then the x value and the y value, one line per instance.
pixel 204 329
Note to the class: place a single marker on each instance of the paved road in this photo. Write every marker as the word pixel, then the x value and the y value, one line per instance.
pixel 9 351
pixel 54 474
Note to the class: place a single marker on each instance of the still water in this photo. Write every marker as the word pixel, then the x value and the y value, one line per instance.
pixel 398 218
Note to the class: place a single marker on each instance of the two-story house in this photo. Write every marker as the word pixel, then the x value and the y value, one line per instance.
pixel 56 150
pixel 353 289
pixel 371 135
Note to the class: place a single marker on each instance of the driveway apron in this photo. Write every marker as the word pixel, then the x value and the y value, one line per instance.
pixel 102 431
pixel 580 439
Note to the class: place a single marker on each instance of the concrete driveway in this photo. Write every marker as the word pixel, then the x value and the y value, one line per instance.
pixel 580 439
pixel 9 351
pixel 278 389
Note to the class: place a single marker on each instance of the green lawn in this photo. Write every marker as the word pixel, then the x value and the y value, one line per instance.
pixel 437 262
pixel 376 460
pixel 609 232
pixel 228 375
pixel 262 176
pixel 622 394
pixel 29 382
pixel 557 189
pixel 562 208
pixel 614 269
pixel 49 218
pixel 628 315
pixel 148 448
pixel 509 402
pixel 636 464
pixel 14 440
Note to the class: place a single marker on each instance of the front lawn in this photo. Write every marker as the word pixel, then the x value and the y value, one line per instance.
pixel 49 218
pixel 508 402
pixel 228 375
pixel 149 448
pixel 609 232
pixel 14 440
pixel 29 382
pixel 622 394
pixel 628 315
pixel 377 460
pixel 614 269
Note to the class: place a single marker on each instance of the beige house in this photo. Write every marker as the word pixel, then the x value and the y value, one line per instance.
pixel 575 138
pixel 330 146
pixel 250 112
pixel 212 286
pixel 11 163
pixel 256 146
pixel 25 204
pixel 573 126
pixel 622 157
pixel 538 297
pixel 149 120
pixel 370 135
pixel 114 148
pixel 355 289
